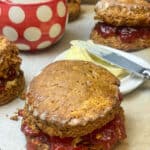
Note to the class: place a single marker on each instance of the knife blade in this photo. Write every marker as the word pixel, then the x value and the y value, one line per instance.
pixel 113 58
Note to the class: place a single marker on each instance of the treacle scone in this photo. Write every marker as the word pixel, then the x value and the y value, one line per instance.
pixel 122 24
pixel 73 105
pixel 11 77
pixel 73 9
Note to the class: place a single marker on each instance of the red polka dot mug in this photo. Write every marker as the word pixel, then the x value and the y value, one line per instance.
pixel 33 24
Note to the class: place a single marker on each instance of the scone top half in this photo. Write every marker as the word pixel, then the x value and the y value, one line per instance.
pixel 73 98
pixel 124 12
pixel 74 1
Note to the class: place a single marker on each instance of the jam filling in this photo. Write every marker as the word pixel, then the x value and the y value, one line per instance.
pixel 126 34
pixel 11 74
pixel 21 112
pixel 2 84
pixel 106 137
pixel 120 97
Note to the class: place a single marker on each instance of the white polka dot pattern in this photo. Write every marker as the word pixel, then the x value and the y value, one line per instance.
pixel 44 13
pixel 16 14
pixel 55 30
pixel 34 27
pixel 44 44
pixel 10 33
pixel 32 34
pixel 23 46
pixel 61 9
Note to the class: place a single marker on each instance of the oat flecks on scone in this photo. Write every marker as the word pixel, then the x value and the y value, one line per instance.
pixel 73 9
pixel 11 77
pixel 124 12
pixel 87 92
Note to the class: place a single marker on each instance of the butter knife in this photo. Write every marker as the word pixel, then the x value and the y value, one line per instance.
pixel 113 58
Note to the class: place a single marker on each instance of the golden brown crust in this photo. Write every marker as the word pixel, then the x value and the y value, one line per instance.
pixel 11 77
pixel 72 95
pixel 89 1
pixel 124 12
pixel 8 57
pixel 115 42
pixel 78 130
pixel 73 9
pixel 13 89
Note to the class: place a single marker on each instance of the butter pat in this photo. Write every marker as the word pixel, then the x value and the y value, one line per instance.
pixel 76 53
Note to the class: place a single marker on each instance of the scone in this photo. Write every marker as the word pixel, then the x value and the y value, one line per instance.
pixel 73 9
pixel 89 1
pixel 73 105
pixel 11 77
pixel 124 12
pixel 122 24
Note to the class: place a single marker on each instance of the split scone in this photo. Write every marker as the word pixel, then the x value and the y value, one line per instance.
pixel 11 77
pixel 73 105
pixel 122 24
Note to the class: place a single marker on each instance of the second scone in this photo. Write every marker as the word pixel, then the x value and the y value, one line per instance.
pixel 12 80
pixel 73 9
pixel 122 24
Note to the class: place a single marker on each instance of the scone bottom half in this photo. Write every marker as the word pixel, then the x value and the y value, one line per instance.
pixel 73 105
pixel 12 80
pixel 123 37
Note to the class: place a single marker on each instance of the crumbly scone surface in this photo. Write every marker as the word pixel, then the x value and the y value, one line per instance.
pixel 12 80
pixel 124 12
pixel 73 93
pixel 9 58
pixel 13 89
pixel 73 9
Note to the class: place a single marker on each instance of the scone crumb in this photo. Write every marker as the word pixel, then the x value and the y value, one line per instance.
pixel 23 96
pixel 17 115
pixel 14 118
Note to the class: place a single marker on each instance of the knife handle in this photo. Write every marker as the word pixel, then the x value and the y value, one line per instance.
pixel 146 73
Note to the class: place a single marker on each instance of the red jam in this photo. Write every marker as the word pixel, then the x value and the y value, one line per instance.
pixel 11 74
pixel 64 144
pixel 21 112
pixel 107 137
pixel 126 34
pixel 2 84
pixel 120 97
pixel 29 132
pixel 106 30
